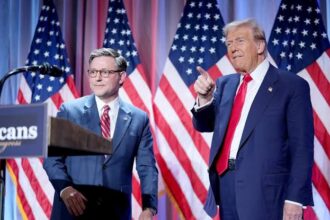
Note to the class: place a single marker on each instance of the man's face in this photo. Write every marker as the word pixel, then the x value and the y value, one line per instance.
pixel 243 51
pixel 106 88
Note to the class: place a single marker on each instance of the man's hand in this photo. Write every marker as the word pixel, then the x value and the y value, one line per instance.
pixel 74 201
pixel 146 215
pixel 204 86
pixel 292 212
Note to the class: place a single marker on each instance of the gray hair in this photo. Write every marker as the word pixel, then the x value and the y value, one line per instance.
pixel 109 52
pixel 258 32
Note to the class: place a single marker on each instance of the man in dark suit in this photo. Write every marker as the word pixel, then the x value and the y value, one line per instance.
pixel 262 148
pixel 98 187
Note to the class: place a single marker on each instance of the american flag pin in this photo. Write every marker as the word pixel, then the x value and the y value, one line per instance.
pixel 270 89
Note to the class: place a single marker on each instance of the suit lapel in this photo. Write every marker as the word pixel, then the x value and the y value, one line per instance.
pixel 124 119
pixel 260 103
pixel 91 118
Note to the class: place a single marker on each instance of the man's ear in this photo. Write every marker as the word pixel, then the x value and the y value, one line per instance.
pixel 261 46
pixel 123 76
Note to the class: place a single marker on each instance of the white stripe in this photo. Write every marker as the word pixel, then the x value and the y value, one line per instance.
pixel 29 193
pixel 322 160
pixel 180 176
pixel 136 209
pixel 42 178
pixel 182 91
pixel 66 93
pixel 225 66
pixel 324 63
pixel 51 107
pixel 25 88
pixel 320 105
pixel 320 209
pixel 183 136
pixel 142 88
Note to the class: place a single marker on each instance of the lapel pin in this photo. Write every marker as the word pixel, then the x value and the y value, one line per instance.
pixel 270 89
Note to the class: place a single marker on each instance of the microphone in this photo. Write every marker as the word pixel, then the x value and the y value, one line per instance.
pixel 45 69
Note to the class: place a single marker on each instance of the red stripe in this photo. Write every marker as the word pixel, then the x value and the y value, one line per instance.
pixel 72 86
pixel 185 118
pixel 25 204
pixel 309 214
pixel 321 185
pixel 37 188
pixel 181 155
pixel 173 186
pixel 57 100
pixel 320 80
pixel 321 134
pixel 131 91
pixel 136 190
pixel 142 73
pixel 328 52
pixel 20 97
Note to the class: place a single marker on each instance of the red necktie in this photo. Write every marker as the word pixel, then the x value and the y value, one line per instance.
pixel 105 122
pixel 222 163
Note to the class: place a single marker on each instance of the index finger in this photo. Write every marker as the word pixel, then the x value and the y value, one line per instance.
pixel 203 72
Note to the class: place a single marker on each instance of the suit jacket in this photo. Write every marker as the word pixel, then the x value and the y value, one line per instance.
pixel 131 140
pixel 275 154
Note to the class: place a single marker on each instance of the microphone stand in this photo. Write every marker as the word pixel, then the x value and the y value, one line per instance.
pixel 3 161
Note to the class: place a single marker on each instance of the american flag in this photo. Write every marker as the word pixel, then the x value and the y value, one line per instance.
pixel 182 152
pixel 135 90
pixel 29 194
pixel 299 43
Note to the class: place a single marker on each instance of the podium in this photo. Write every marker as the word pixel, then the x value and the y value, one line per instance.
pixel 27 131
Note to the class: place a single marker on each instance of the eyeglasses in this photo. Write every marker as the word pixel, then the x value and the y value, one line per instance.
pixel 103 72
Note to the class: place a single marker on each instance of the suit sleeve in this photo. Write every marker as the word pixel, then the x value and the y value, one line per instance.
pixel 146 168
pixel 55 166
pixel 300 138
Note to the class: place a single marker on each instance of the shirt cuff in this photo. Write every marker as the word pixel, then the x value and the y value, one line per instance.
pixel 63 190
pixel 198 107
pixel 295 203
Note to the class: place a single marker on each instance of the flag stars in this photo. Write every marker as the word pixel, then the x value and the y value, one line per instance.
pixel 37 97
pixel 203 38
pixel 35 62
pixel 52 78
pixel 200 60
pixel 62 46
pixel 41 76
pixel 324 35
pixel 278 30
pixel 197 27
pixel 214 39
pixel 285 43
pixel 49 89
pixel 114 31
pixel 49 43
pixel 288 67
pixel 282 54
pixel 191 60
pixel 192 4
pixel 215 28
pixel 309 9
pixel 39 86
pixel 134 53
pixel 207 16
pixel 121 42
pixel 212 50
pixel 209 5
pixel 304 32
pixel 38 41
pixel 187 26
pixel 296 19
pixel 195 38
pixel 112 41
pixel 292 43
pixel 181 59
pixel 36 52
pixel 183 48
pixel 275 41
pixel 216 17
pixel 291 55
pixel 185 37
pixel 57 56
pixel 302 44
pixel 51 33
pixel 46 54
pixel 307 21
pixel 202 49
pixel 287 31
pixel 116 20
pixel 317 10
pixel 299 7
pixel 67 69
pixel 316 21
pixel 290 19
pixel 315 34
pixel 223 39
pixel 294 31
pixel 313 46
pixel 281 18
pixel 205 27
pixel 190 15
pixel 174 47
pixel 283 6
pixel 189 71
pixel 61 80
pixel 299 56
pixel 193 49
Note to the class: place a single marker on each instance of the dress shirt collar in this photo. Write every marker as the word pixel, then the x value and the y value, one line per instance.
pixel 114 105
pixel 259 73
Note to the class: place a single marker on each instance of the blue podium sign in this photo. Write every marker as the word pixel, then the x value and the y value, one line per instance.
pixel 23 130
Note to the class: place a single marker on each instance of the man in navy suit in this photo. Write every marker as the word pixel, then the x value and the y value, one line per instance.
pixel 98 187
pixel 267 171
